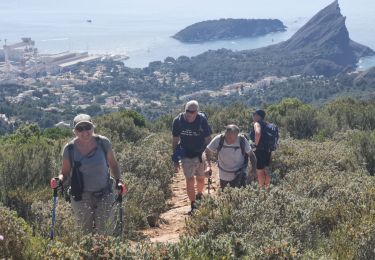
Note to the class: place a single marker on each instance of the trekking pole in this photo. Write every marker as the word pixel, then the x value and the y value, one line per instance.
pixel 120 212
pixel 209 182
pixel 121 188
pixel 54 209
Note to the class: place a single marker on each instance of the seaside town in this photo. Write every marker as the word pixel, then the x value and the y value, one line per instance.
pixel 21 64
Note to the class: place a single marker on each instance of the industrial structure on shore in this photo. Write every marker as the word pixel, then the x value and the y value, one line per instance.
pixel 23 58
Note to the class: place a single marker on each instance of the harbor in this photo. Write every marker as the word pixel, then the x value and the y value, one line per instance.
pixel 23 58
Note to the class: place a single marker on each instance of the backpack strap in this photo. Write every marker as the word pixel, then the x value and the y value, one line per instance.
pixel 99 141
pixel 221 143
pixel 243 141
pixel 180 120
pixel 71 153
pixel 200 115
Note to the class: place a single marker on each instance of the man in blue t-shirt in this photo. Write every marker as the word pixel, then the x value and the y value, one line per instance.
pixel 192 133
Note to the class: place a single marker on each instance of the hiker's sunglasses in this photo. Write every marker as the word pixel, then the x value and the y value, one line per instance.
pixel 82 128
pixel 190 111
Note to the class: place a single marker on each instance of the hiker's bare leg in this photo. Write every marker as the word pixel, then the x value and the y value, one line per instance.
pixel 190 183
pixel 267 177
pixel 200 183
pixel 261 178
pixel 189 166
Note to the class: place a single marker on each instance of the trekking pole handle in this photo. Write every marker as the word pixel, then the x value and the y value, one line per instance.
pixel 121 187
pixel 121 190
pixel 55 189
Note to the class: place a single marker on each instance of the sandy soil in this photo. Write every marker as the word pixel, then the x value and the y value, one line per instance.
pixel 172 223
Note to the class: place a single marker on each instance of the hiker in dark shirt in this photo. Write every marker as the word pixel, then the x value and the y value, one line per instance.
pixel 191 133
pixel 262 152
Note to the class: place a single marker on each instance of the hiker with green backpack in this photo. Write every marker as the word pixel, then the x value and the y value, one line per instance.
pixel 88 162
pixel 234 153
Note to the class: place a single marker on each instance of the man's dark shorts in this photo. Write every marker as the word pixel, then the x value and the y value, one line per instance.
pixel 263 158
pixel 238 182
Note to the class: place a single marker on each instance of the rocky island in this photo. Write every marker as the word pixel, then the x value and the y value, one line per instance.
pixel 228 29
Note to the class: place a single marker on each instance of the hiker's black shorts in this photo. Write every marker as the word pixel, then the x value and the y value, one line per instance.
pixel 263 158
pixel 238 182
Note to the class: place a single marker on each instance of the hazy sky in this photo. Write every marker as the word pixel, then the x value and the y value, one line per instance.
pixel 202 8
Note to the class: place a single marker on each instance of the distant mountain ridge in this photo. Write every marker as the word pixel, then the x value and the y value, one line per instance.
pixel 227 29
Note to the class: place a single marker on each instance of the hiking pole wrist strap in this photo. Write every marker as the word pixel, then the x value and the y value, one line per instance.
pixel 120 186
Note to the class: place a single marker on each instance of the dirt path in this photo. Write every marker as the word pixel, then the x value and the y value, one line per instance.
pixel 173 220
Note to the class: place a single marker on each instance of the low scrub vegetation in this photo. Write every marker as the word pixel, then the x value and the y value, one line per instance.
pixel 321 204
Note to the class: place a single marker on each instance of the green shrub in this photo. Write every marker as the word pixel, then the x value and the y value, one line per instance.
pixel 139 119
pixel 301 124
pixel 364 142
pixel 21 200
pixel 296 118
pixel 366 247
pixel 27 166
pixel 344 114
pixel 90 247
pixel 322 189
pixel 148 171
pixel 278 112
pixel 320 206
pixel 237 113
pixel 57 133
pixel 65 229
pixel 17 242
pixel 121 126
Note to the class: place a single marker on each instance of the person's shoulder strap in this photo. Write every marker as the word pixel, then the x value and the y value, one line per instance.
pixel 221 143
pixel 263 124
pixel 179 120
pixel 70 148
pixel 243 141
pixel 99 141
pixel 202 116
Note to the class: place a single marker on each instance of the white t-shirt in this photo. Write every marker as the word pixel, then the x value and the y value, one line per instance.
pixel 230 157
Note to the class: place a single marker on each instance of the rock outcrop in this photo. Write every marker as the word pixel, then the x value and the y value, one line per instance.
pixel 326 33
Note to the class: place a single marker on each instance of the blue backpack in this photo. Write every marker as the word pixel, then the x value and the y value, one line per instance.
pixel 269 138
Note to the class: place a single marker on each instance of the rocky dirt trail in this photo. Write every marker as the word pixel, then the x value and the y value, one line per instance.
pixel 172 223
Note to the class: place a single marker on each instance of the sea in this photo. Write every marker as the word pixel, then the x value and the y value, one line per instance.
pixel 142 29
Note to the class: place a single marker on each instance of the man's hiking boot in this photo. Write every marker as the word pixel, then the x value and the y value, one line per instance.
pixel 199 196
pixel 195 204
pixel 193 208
